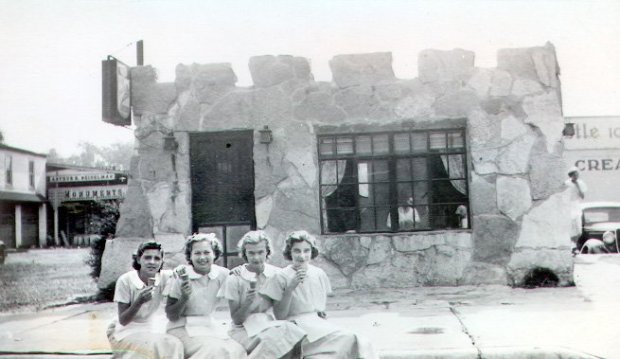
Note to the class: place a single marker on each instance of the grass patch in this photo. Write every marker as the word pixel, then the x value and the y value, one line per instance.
pixel 41 278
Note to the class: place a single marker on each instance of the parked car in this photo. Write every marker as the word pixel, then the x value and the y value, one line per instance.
pixel 598 218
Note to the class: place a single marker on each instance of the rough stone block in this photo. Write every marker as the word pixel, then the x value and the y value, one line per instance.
pixel 525 87
pixel 319 107
pixel 346 253
pixel 559 261
pixel 480 82
pixel 457 105
pixel 494 238
pixel 513 196
pixel 416 106
pixel 547 225
pixel 478 273
pixel 484 130
pixel 212 81
pixel 263 211
pixel 483 195
pixel 544 111
pixel 484 160
pixel 534 63
pixel 417 242
pixel 336 278
pixel 501 83
pixel 362 69
pixel 512 128
pixel 358 101
pixel 547 172
pixel 135 217
pixel 270 70
pixel 514 158
pixel 380 250
pixel 437 65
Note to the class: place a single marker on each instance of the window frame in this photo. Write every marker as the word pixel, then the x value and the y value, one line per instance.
pixel 391 157
pixel 8 164
pixel 31 174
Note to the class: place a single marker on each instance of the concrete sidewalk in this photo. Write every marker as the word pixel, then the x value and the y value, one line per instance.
pixel 444 322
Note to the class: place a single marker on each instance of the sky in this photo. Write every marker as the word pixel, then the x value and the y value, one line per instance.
pixel 51 51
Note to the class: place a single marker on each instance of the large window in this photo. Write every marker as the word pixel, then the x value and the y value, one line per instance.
pixel 393 182
pixel 8 165
pixel 31 174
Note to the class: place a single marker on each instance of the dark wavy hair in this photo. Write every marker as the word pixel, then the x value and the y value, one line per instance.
pixel 199 237
pixel 140 251
pixel 296 237
pixel 253 237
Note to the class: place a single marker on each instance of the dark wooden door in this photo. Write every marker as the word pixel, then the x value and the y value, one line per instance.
pixel 222 175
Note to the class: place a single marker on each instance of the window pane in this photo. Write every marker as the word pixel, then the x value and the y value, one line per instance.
pixel 379 171
pixel 439 166
pixel 362 178
pixel 382 219
pixel 404 193
pixel 233 235
pixel 367 219
pixel 363 146
pixel 401 143
pixel 455 140
pixel 420 193
pixel 455 165
pixel 418 142
pixel 381 194
pixel 326 146
pixel 380 144
pixel 423 222
pixel 403 170
pixel 438 140
pixel 330 172
pixel 344 145
pixel 341 220
pixel 420 171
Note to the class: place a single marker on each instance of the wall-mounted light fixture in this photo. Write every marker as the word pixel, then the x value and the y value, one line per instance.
pixel 569 129
pixel 170 143
pixel 266 136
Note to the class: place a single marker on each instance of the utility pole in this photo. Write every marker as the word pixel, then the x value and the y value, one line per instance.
pixel 140 52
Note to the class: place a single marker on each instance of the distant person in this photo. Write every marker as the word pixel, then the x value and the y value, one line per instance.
pixel 193 298
pixel 576 194
pixel 609 244
pixel 408 217
pixel 299 293
pixel 254 326
pixel 139 293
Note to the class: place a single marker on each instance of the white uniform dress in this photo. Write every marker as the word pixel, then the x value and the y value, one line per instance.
pixel 575 209
pixel 260 334
pixel 195 327
pixel 324 339
pixel 144 336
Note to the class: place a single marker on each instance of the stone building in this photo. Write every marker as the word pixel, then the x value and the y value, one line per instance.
pixel 451 178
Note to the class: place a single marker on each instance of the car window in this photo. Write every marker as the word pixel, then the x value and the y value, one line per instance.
pixel 597 215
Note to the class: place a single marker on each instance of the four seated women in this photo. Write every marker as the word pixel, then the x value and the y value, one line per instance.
pixel 276 312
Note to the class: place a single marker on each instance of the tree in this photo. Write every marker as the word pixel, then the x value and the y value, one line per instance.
pixel 117 155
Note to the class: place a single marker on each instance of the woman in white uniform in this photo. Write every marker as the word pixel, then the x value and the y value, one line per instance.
pixel 299 292
pixel 254 325
pixel 139 293
pixel 193 299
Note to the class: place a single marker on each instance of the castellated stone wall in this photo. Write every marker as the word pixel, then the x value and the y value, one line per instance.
pixel 513 118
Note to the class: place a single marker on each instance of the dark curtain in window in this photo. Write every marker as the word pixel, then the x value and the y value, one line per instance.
pixel 341 203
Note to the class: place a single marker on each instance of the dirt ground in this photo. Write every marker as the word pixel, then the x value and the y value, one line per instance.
pixel 39 278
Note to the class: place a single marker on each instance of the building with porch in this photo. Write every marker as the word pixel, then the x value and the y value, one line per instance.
pixel 452 178
pixel 23 212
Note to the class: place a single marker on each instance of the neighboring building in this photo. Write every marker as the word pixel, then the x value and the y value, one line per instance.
pixel 451 178
pixel 595 151
pixel 23 215
pixel 76 194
